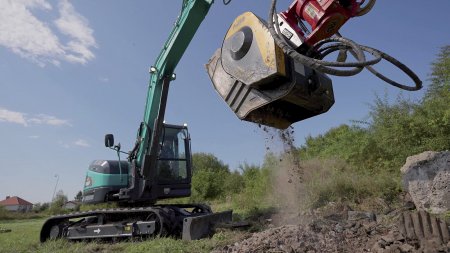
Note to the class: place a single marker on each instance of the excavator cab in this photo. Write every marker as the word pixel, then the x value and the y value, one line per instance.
pixel 106 178
pixel 260 83
pixel 174 165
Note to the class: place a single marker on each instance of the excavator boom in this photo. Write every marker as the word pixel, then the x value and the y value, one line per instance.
pixel 192 14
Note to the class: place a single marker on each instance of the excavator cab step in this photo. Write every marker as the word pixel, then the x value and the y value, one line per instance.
pixel 260 83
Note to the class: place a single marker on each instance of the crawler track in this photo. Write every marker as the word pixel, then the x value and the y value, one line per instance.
pixel 190 221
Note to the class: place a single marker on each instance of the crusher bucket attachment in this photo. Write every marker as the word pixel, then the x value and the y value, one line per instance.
pixel 260 83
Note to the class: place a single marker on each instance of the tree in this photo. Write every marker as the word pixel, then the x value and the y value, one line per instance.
pixel 58 203
pixel 205 161
pixel 37 207
pixel 212 179
pixel 79 196
pixel 395 130
pixel 44 206
pixel 440 75
pixel 40 207
pixel 60 198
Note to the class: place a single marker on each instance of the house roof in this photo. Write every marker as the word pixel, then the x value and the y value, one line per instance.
pixel 13 201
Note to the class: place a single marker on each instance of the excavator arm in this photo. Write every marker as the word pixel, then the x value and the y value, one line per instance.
pixel 192 14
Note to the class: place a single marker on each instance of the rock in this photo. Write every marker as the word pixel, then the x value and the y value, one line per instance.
pixel 409 206
pixel 338 228
pixel 328 236
pixel 426 177
pixel 355 215
pixel 389 238
pixel 378 248
pixel 406 248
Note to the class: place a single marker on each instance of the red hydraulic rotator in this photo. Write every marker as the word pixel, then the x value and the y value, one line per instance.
pixel 325 17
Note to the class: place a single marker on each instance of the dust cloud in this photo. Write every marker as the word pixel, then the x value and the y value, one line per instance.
pixel 289 193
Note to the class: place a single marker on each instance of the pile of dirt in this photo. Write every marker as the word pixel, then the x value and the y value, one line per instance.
pixel 359 232
pixel 342 229
pixel 318 236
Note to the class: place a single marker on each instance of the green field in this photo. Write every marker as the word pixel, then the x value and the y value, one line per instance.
pixel 24 237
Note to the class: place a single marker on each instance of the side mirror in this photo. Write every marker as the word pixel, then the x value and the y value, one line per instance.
pixel 109 140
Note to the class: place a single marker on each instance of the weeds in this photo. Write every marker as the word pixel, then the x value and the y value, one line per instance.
pixel 334 181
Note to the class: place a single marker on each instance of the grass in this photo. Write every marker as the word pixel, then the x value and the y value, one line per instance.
pixel 24 237
pixel 336 181
pixel 447 217
pixel 326 181
pixel 7 215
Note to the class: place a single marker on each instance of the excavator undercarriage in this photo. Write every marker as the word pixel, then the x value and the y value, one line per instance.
pixel 189 222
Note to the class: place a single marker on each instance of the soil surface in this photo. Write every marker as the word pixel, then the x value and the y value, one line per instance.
pixel 335 228
pixel 343 231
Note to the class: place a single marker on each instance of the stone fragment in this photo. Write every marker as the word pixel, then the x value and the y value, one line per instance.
pixel 426 177
pixel 406 248
pixel 356 215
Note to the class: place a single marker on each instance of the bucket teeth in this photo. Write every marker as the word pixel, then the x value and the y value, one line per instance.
pixel 422 226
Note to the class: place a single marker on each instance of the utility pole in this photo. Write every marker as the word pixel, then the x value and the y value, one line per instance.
pixel 56 185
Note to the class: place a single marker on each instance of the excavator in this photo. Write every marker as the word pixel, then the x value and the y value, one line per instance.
pixel 268 72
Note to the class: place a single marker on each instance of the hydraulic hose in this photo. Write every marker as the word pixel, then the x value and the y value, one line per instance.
pixel 342 44
pixel 364 10
pixel 311 62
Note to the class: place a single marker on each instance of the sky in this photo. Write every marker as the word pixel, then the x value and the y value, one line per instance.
pixel 73 71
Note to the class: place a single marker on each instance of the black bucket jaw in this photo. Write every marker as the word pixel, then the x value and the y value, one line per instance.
pixel 201 226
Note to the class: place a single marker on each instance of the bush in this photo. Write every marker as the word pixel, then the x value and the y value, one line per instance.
pixel 207 185
pixel 88 207
pixel 336 181
pixel 56 207
pixel 394 131
pixel 233 184
pixel 208 173
pixel 10 215
pixel 38 207
pixel 254 194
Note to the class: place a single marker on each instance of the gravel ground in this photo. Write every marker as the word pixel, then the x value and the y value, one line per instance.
pixel 359 232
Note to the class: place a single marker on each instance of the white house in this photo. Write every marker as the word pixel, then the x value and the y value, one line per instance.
pixel 71 205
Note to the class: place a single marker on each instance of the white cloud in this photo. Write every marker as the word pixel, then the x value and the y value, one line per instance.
pixel 22 118
pixel 82 143
pixel 35 39
pixel 12 117
pixel 76 27
pixel 103 79
pixel 34 136
pixel 43 119
pixel 63 144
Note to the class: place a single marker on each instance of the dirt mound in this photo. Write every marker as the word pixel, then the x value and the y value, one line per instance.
pixel 359 234
pixel 319 236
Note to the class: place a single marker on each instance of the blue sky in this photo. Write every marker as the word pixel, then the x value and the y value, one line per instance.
pixel 72 71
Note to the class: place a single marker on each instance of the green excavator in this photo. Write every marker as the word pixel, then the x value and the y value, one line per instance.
pixel 270 73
